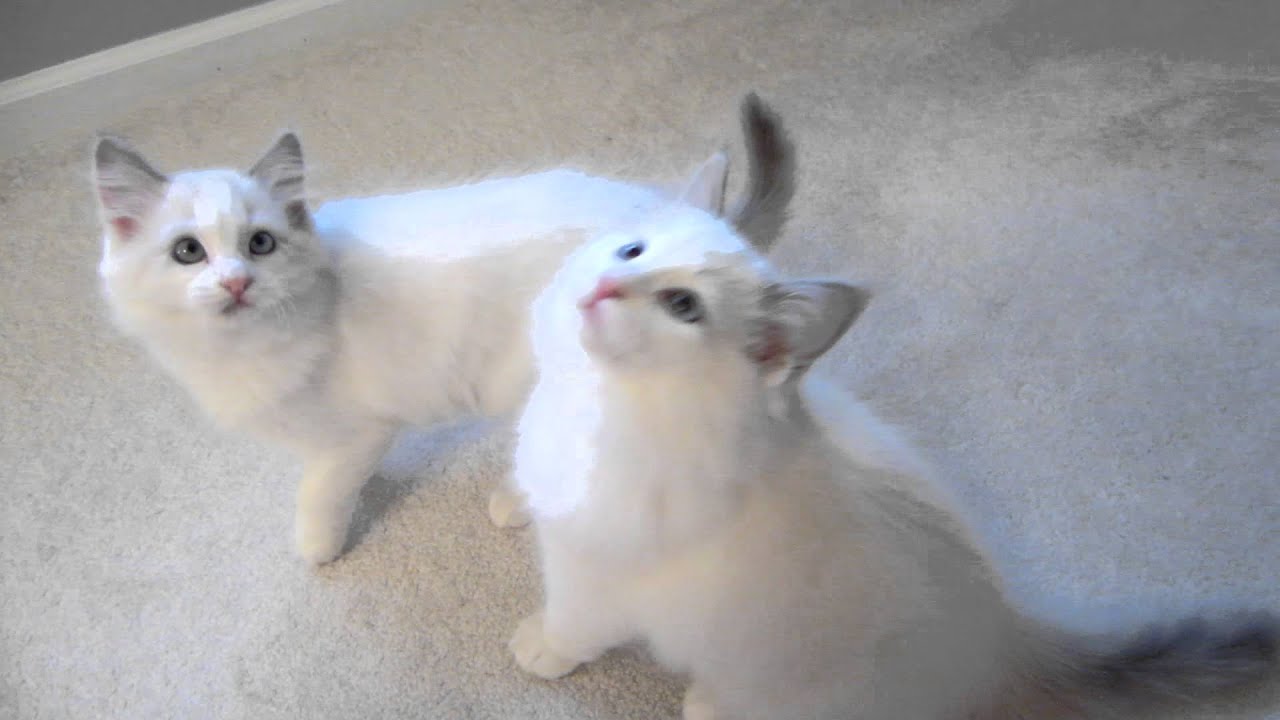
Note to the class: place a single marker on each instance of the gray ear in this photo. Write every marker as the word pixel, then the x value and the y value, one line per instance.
pixel 705 190
pixel 803 319
pixel 128 188
pixel 771 170
pixel 281 170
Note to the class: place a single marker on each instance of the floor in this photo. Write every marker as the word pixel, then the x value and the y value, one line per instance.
pixel 1071 217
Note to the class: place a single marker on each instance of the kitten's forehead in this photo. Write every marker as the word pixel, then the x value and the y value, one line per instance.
pixel 688 238
pixel 210 197
pixel 715 271
pixel 687 235
pixel 676 246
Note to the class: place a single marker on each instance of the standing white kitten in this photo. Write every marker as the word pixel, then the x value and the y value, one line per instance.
pixel 329 332
pixel 697 493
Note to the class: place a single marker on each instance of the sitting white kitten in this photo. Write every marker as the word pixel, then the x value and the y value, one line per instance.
pixel 696 493
pixel 328 333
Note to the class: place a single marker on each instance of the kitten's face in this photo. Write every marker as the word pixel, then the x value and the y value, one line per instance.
pixel 214 246
pixel 674 291
pixel 684 292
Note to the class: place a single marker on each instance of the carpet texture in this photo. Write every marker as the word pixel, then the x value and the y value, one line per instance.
pixel 1071 216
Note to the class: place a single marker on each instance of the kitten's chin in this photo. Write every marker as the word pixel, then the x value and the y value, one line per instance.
pixel 606 335
pixel 597 346
pixel 605 351
pixel 591 343
pixel 242 311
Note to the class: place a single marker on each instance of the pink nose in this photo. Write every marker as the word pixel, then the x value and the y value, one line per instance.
pixel 606 289
pixel 237 285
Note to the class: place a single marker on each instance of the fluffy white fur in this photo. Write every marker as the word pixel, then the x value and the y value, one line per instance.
pixel 375 313
pixel 760 531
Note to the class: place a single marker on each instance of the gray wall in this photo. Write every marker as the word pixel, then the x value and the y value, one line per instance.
pixel 39 33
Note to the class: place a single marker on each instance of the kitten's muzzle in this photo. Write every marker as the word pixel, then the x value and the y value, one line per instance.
pixel 606 289
pixel 237 286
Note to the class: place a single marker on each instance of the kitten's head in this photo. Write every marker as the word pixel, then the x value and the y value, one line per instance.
pixel 685 292
pixel 210 246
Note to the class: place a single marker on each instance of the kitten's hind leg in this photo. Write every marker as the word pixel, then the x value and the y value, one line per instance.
pixel 508 508
pixel 331 481
pixel 697 704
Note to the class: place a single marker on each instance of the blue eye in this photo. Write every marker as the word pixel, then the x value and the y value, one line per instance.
pixel 631 250
pixel 262 243
pixel 683 305
pixel 187 250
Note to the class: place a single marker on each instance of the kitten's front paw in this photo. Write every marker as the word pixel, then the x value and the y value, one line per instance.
pixel 318 541
pixel 697 705
pixel 507 509
pixel 529 645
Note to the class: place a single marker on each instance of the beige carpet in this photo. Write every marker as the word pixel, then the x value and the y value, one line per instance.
pixel 1076 241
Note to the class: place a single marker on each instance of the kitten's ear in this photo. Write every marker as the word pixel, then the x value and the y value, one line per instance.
pixel 705 190
pixel 803 319
pixel 281 171
pixel 128 188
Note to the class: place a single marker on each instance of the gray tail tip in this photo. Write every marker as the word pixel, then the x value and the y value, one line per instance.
pixel 767 140
pixel 756 113
pixel 1255 637
pixel 1236 650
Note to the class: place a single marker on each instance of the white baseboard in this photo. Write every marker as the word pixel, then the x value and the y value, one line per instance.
pixel 86 93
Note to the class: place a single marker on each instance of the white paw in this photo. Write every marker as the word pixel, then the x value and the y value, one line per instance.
pixel 529 645
pixel 697 706
pixel 507 509
pixel 319 541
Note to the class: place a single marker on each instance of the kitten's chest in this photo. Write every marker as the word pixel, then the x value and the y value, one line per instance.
pixel 263 386
pixel 556 452
pixel 638 503
pixel 633 478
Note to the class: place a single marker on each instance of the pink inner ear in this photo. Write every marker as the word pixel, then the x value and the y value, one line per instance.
pixel 126 227
pixel 773 349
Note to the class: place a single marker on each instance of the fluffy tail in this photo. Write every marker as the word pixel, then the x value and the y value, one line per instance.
pixel 1186 664
pixel 771 175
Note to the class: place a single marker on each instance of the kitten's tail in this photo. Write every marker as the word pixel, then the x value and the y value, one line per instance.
pixel 1185 664
pixel 771 175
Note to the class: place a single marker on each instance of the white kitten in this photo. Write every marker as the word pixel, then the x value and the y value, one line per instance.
pixel 328 333
pixel 697 493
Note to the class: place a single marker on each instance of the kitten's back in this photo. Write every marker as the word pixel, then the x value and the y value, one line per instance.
pixel 483 217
